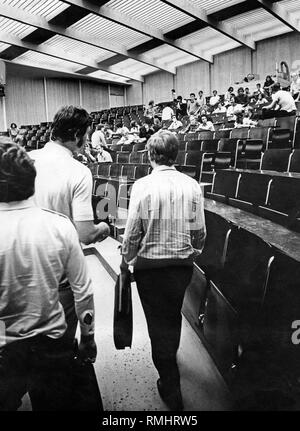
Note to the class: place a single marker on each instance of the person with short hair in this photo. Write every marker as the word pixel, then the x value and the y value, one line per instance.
pixel 241 97
pixel 13 131
pixel 98 137
pixel 220 109
pixel 175 125
pixel 165 230
pixel 201 99
pixel 37 247
pixel 65 185
pixel 181 107
pixel 281 99
pixel 215 99
pixel 205 124
pixel 167 113
pixel 192 126
pixel 229 93
pixel 193 105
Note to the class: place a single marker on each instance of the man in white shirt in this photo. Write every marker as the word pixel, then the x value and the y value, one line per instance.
pixel 176 124
pixel 193 105
pixel 215 99
pixel 167 114
pixel 98 137
pixel 65 185
pixel 103 156
pixel 37 247
pixel 283 100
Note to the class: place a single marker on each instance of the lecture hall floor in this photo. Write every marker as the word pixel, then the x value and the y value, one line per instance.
pixel 127 378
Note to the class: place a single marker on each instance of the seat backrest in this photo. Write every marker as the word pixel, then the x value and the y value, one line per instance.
pixel 276 160
pixel 230 145
pixel 135 157
pixel 225 183
pixel 123 157
pixel 245 272
pixel 279 138
pixel 205 135
pixel 210 145
pixel 193 146
pixel 253 187
pixel 138 147
pixel 141 171
pixel 253 146
pixel 295 161
pixel 128 171
pixel 259 133
pixel 190 137
pixel 240 133
pixel 103 169
pixel 286 122
pixel 222 133
pixel 213 255
pixel 222 160
pixel 180 158
pixel 193 158
pixel 115 170
pixel 284 195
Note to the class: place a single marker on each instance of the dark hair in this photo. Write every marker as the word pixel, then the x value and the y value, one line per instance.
pixel 179 97
pixel 230 89
pixel 193 94
pixel 119 125
pixel 69 123
pixel 13 126
pixel 163 148
pixel 276 87
pixel 17 172
pixel 215 91
pixel 173 90
pixel 241 89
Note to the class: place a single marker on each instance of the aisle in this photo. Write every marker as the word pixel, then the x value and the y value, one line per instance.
pixel 127 378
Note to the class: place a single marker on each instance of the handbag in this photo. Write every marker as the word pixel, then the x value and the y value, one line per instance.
pixel 122 329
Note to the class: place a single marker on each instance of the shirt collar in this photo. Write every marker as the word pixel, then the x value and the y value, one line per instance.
pixel 54 146
pixel 164 168
pixel 17 205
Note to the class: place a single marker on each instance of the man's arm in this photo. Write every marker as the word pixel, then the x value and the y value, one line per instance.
pixel 82 213
pixel 133 231
pixel 197 221
pixel 77 274
pixel 271 105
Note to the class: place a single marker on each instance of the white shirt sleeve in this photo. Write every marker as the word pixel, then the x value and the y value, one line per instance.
pixel 82 199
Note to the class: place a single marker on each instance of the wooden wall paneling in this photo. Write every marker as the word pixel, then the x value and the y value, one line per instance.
pixel 135 93
pixel 25 100
pixel 94 96
pixel 230 67
pixel 61 92
pixel 274 50
pixel 191 78
pixel 157 87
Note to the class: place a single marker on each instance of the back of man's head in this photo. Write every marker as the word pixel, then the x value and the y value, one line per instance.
pixel 69 123
pixel 163 148
pixel 17 172
pixel 275 87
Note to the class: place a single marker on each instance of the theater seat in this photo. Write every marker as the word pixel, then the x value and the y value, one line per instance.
pixel 294 165
pixel 210 145
pixel 279 138
pixel 276 160
pixel 224 185
pixel 240 133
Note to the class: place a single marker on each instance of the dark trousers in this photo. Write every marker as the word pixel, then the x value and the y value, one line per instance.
pixel 271 113
pixel 161 291
pixel 41 366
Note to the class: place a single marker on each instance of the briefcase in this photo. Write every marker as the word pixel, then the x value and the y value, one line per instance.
pixel 123 311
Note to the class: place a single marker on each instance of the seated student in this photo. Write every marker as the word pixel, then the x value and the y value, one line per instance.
pixel 205 124
pixel 85 156
pixel 98 137
pixel 228 95
pixel 268 85
pixel 176 124
pixel 192 126
pixel 281 99
pixel 193 105
pixel 220 109
pixel 261 100
pixel 127 137
pixel 107 131
pixel 103 156
pixel 181 107
pixel 156 125
pixel 258 91
pixel 120 129
pixel 215 99
pixel 167 114
pixel 134 127
pixel 232 109
pixel 239 120
pixel 145 132
pixel 13 131
pixel 37 247
pixel 241 98
pixel 248 120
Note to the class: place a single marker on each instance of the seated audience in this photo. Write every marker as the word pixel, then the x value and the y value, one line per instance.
pixel 98 137
pixel 220 109
pixel 239 120
pixel 103 156
pixel 181 107
pixel 134 127
pixel 120 129
pixel 145 132
pixel 215 99
pixel 176 124
pixel 37 248
pixel 193 105
pixel 156 125
pixel 192 126
pixel 248 120
pixel 242 98
pixel 258 90
pixel 268 85
pixel 261 100
pixel 281 99
pixel 205 124
pixel 229 93
pixel 232 109
pixel 167 114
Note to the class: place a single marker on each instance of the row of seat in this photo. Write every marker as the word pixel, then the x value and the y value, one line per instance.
pixel 243 298
pixel 271 195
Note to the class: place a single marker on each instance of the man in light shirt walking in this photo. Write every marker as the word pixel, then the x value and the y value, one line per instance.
pixel 165 230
